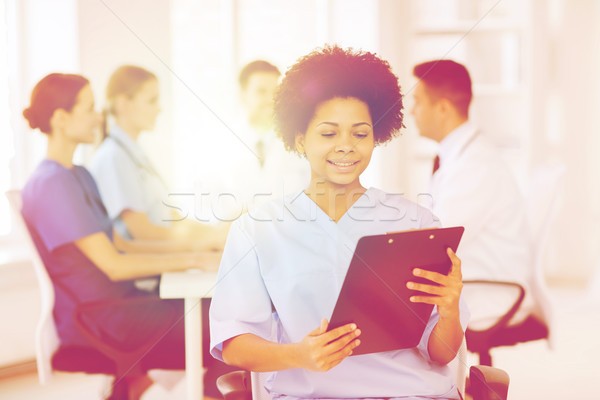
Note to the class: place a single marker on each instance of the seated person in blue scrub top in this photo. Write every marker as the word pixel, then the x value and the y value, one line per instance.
pixel 284 264
pixel 133 191
pixel 86 258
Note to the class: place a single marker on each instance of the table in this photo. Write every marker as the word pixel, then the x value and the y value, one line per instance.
pixel 191 286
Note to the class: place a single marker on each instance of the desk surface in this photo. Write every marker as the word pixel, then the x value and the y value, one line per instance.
pixel 187 284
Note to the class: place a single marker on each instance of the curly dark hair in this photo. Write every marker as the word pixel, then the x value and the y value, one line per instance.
pixel 332 72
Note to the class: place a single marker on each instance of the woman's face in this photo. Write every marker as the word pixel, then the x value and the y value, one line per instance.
pixel 143 108
pixel 339 141
pixel 82 123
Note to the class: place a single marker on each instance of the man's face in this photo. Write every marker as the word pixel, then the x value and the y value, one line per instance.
pixel 258 96
pixel 425 113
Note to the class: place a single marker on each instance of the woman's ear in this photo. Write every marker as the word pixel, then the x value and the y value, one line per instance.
pixel 58 119
pixel 119 104
pixel 300 143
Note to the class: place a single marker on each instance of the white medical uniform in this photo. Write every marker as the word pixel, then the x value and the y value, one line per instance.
pixel 282 270
pixel 474 188
pixel 128 181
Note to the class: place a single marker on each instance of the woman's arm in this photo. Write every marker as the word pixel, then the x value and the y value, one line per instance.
pixel 445 340
pixel 447 334
pixel 192 235
pixel 155 246
pixel 101 251
pixel 318 351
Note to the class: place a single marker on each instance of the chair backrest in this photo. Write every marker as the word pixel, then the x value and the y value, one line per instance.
pixel 46 338
pixel 542 207
pixel 458 368
pixel 258 385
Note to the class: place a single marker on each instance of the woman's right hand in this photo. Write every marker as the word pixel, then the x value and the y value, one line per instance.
pixel 320 350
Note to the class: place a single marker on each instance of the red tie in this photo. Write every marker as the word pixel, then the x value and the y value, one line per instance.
pixel 436 164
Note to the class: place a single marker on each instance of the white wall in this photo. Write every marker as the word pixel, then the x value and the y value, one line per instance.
pixel 19 310
pixel 566 125
pixel 42 39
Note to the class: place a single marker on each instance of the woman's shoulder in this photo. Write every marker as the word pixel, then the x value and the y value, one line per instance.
pixel 108 150
pixel 383 199
pixel 48 182
pixel 47 172
pixel 272 214
pixel 396 207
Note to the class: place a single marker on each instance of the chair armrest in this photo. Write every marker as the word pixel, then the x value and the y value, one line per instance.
pixel 488 383
pixel 235 385
pixel 503 321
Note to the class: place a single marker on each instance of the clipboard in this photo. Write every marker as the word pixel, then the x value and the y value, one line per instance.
pixel 374 293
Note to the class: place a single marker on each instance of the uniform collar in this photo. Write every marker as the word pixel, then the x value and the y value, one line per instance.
pixel 456 141
pixel 131 145
pixel 309 210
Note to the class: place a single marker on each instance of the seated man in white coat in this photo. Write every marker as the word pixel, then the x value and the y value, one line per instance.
pixel 471 186
pixel 260 168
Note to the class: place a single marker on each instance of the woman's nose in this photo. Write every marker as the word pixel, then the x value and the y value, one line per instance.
pixel 344 143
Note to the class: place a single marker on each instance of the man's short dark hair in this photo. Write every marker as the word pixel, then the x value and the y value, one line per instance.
pixel 447 79
pixel 254 67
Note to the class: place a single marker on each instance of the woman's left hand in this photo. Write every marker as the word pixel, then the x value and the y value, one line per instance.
pixel 446 295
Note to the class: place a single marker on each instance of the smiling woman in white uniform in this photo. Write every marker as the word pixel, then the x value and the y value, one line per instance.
pixel 132 189
pixel 284 264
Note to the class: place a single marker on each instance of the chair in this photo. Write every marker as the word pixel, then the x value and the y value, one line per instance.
pixel 104 357
pixel 541 210
pixel 46 338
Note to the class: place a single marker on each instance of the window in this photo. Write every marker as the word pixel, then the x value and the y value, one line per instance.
pixel 29 34
pixel 6 138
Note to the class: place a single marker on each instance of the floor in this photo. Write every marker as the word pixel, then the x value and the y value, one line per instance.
pixel 569 370
pixel 66 386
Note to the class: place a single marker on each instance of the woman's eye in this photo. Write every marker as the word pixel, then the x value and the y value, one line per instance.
pixel 328 134
pixel 361 134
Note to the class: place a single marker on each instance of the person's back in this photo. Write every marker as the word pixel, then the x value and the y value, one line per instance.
pixel 471 185
pixel 128 181
pixel 59 206
pixel 476 189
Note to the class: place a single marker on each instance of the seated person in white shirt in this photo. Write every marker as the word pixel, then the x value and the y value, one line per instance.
pixel 471 186
pixel 259 167
pixel 134 193
pixel 258 82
